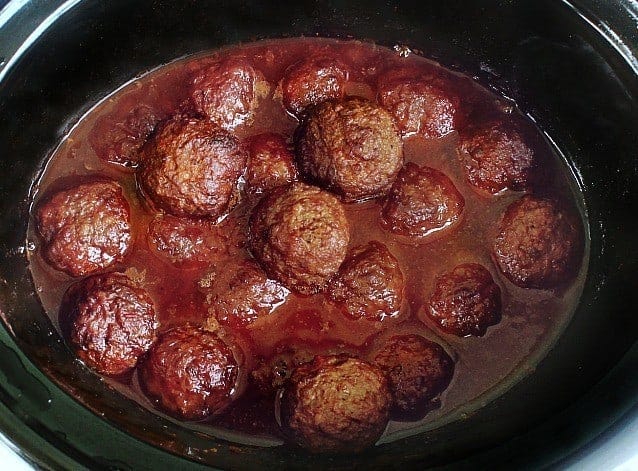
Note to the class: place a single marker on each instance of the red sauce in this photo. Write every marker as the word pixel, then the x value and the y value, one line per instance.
pixel 485 366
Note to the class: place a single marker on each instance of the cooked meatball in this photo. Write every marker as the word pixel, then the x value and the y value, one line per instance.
pixel 539 244
pixel 369 283
pixel 312 81
pixel 419 104
pixel 190 167
pixel 109 321
pixel 417 369
pixel 335 405
pixel 465 301
pixel 350 147
pixel 85 229
pixel 242 294
pixel 299 234
pixel 190 372
pixel 421 201
pixel 228 92
pixel 496 159
pixel 271 163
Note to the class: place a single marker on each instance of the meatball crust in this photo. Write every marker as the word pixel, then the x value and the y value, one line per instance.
pixel 465 301
pixel 299 234
pixel 190 372
pixel 85 229
pixel 190 167
pixel 227 92
pixel 369 283
pixel 539 244
pixel 242 294
pixel 313 81
pixel 496 158
pixel 418 104
pixel 350 147
pixel 109 322
pixel 417 369
pixel 271 163
pixel 421 201
pixel 335 405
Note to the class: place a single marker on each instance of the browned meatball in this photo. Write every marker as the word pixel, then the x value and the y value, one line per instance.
pixel 421 201
pixel 419 104
pixel 369 283
pixel 465 301
pixel 539 244
pixel 335 405
pixel 190 372
pixel 271 163
pixel 242 294
pixel 312 81
pixel 496 159
pixel 109 321
pixel 228 92
pixel 85 229
pixel 190 167
pixel 418 370
pixel 350 147
pixel 299 234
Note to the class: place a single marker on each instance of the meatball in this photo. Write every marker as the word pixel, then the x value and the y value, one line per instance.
pixel 85 229
pixel 271 163
pixel 190 372
pixel 312 81
pixel 417 369
pixel 350 147
pixel 369 283
pixel 421 201
pixel 335 405
pixel 299 234
pixel 465 301
pixel 228 92
pixel 539 244
pixel 241 295
pixel 109 321
pixel 419 105
pixel 496 159
pixel 190 167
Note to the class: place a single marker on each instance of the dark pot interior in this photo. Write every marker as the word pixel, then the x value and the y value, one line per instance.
pixel 544 54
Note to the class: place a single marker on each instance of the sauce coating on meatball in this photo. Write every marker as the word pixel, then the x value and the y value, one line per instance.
pixel 190 372
pixel 85 229
pixel 299 234
pixel 421 201
pixel 271 163
pixel 369 283
pixel 350 147
pixel 335 405
pixel 465 301
pixel 109 321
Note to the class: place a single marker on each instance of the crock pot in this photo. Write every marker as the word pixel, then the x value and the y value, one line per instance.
pixel 570 65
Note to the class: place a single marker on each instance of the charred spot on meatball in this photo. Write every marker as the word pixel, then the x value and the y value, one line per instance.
pixel 109 321
pixel 85 229
pixel 421 201
pixel 496 158
pixel 539 244
pixel 228 92
pixel 350 147
pixel 369 284
pixel 313 81
pixel 465 301
pixel 190 167
pixel 335 405
pixel 191 373
pixel 299 234
pixel 271 163
pixel 418 370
